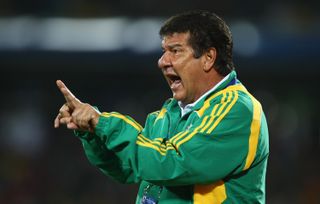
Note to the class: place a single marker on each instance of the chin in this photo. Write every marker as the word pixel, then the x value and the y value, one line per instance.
pixel 179 97
pixel 176 96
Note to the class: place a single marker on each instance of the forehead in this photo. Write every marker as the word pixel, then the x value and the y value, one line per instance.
pixel 176 39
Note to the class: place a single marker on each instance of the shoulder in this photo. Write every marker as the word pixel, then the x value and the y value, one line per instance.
pixel 160 113
pixel 231 100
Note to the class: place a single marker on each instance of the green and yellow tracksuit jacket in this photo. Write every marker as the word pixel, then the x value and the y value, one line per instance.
pixel 216 153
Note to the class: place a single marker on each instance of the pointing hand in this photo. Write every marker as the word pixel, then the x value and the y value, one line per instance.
pixel 75 114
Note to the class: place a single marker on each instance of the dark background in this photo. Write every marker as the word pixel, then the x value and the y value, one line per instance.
pixel 40 164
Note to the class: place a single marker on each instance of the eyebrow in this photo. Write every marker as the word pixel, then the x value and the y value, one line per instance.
pixel 173 46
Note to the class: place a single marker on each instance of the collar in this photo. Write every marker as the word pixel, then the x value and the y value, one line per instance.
pixel 228 80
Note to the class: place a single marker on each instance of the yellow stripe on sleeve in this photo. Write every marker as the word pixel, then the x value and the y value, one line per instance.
pixel 178 136
pixel 254 132
pixel 156 141
pixel 206 104
pixel 150 146
pixel 143 141
pixel 156 144
pixel 221 115
pixel 134 124
pixel 193 133
pixel 216 111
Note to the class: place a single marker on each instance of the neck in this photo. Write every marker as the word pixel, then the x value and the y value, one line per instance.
pixel 210 80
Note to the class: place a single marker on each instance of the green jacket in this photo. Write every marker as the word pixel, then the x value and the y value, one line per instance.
pixel 216 153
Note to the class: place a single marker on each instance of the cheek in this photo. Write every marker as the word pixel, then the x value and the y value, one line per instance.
pixel 191 78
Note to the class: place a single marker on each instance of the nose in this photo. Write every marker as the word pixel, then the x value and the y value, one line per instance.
pixel 164 61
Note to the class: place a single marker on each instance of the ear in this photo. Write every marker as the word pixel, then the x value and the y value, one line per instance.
pixel 209 59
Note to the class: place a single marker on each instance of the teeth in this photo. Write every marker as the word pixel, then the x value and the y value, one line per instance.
pixel 175 84
pixel 174 79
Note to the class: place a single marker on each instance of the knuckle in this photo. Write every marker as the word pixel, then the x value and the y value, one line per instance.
pixel 62 121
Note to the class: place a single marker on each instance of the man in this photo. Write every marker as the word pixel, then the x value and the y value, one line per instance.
pixel 207 144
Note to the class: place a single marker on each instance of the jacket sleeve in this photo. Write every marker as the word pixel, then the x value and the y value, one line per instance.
pixel 112 147
pixel 216 146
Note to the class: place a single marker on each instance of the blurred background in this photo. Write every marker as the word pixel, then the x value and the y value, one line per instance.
pixel 107 51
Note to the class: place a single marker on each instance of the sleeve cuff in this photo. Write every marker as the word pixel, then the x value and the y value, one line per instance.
pixel 84 135
pixel 101 126
pixel 102 123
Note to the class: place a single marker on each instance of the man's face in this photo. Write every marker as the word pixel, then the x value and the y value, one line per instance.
pixel 182 71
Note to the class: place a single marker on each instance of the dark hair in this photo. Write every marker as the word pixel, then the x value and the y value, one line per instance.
pixel 206 30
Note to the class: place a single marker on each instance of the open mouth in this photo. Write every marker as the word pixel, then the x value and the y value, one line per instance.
pixel 174 81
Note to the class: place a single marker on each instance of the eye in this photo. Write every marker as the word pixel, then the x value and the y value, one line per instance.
pixel 175 50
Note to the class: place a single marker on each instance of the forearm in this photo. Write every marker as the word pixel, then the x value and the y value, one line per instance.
pixel 106 160
pixel 111 144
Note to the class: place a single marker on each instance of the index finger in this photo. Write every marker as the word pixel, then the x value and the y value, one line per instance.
pixel 71 100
